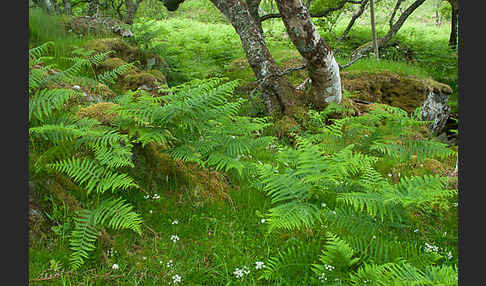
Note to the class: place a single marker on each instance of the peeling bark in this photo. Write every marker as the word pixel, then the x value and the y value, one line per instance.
pixel 322 67
pixel 278 92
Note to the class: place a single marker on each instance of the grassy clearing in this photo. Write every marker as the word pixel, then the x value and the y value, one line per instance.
pixel 215 238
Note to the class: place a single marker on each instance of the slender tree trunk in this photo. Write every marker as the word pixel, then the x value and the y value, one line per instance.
pixel 132 8
pixel 253 6
pixel 67 7
pixel 322 67
pixel 278 92
pixel 394 28
pixel 453 36
pixel 373 28
pixel 355 16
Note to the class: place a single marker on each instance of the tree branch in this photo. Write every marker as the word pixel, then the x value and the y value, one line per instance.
pixel 315 15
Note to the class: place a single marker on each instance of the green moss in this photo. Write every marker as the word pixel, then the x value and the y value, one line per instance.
pixel 406 92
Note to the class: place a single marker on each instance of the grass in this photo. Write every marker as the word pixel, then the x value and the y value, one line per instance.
pixel 215 238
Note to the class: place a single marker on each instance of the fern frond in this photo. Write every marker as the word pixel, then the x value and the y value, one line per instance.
pixel 114 213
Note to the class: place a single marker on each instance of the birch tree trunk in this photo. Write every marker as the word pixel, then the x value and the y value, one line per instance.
pixel 278 92
pixel 322 67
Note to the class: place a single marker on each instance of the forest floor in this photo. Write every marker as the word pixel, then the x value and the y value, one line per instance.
pixel 205 239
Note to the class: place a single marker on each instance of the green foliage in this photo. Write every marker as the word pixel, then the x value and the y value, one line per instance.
pixel 331 178
pixel 196 124
pixel 113 213
pixel 84 150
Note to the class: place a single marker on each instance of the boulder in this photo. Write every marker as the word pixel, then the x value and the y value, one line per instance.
pixel 405 92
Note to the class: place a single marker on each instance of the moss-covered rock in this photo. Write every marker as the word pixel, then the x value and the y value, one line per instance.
pixel 97 25
pixel 102 111
pixel 144 79
pixel 127 52
pixel 405 92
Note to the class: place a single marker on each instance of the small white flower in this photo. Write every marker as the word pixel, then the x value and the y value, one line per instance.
pixel 150 211
pixel 160 261
pixel 445 233
pixel 323 205
pixel 262 220
pixel 329 267
pixel 144 258
pixel 416 230
pixel 146 197
pixel 168 264
pixel 449 255
pixel 156 196
pixel 374 237
pixel 175 222
pixel 233 137
pixel 238 273
pixel 176 278
pixel 115 266
pixel 389 174
pixel 76 87
pixel 174 238
pixel 322 277
pixel 259 265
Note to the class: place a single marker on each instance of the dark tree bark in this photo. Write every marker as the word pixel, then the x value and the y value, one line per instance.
pixel 322 67
pixel 253 6
pixel 356 15
pixel 454 24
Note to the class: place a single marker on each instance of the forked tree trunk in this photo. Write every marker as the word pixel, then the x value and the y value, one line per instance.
pixel 278 92
pixel 355 16
pixel 394 28
pixel 322 67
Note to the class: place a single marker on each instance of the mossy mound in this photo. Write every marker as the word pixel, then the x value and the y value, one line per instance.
pixel 147 80
pixel 127 52
pixel 84 25
pixel 103 112
pixel 405 92
pixel 156 170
